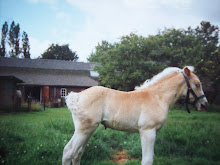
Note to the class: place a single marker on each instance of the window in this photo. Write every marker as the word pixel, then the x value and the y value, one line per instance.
pixel 63 92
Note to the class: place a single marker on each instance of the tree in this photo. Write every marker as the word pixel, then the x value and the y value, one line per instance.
pixel 211 72
pixel 3 40
pixel 209 63
pixel 14 34
pixel 134 58
pixel 13 38
pixel 127 63
pixel 178 47
pixel 60 53
pixel 209 36
pixel 26 45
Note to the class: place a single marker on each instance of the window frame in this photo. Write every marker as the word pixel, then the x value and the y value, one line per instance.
pixel 63 91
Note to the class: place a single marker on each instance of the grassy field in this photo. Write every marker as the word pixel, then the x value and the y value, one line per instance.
pixel 39 138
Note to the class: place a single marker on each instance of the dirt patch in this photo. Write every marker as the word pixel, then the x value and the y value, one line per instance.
pixel 121 157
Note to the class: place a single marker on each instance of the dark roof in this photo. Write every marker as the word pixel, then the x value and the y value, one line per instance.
pixel 48 72
pixel 13 78
pixel 45 64
pixel 55 80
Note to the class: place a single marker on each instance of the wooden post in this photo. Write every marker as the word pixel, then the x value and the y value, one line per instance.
pixel 45 95
pixel 29 103
pixel 44 102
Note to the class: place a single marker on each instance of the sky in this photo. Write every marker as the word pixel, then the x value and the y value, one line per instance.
pixel 84 23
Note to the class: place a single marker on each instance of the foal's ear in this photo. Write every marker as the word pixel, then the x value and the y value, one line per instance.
pixel 187 71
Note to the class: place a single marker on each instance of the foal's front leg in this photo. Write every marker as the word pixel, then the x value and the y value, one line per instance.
pixel 147 142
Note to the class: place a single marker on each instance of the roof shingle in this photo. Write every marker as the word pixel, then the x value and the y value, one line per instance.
pixel 45 64
pixel 48 72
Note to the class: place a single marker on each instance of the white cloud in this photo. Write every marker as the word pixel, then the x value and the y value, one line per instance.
pixel 183 4
pixel 44 1
pixel 62 15
pixel 52 3
pixel 109 20
pixel 155 4
pixel 116 18
pixel 66 19
pixel 38 47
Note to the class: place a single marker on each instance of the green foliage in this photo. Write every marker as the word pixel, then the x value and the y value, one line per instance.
pixel 134 58
pixel 14 38
pixel 39 138
pixel 3 40
pixel 26 45
pixel 209 63
pixel 60 53
pixel 178 48
pixel 133 162
pixel 127 63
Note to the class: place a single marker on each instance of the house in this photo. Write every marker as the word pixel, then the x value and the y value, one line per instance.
pixel 43 80
pixel 7 91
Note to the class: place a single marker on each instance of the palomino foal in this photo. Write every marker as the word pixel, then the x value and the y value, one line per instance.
pixel 143 110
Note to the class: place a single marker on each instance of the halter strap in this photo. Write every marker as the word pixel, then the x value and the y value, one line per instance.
pixel 188 93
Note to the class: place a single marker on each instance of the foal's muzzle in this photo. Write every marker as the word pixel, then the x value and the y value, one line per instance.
pixel 204 106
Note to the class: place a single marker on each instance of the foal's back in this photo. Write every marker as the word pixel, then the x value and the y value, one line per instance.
pixel 114 99
pixel 114 109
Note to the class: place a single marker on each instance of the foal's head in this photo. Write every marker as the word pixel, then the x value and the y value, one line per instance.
pixel 195 86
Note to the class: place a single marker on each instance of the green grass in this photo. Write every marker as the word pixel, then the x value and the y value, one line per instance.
pixel 39 138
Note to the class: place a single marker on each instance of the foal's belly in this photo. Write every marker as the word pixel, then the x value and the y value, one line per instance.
pixel 121 126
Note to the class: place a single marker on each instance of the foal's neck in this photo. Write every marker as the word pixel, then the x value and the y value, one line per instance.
pixel 169 89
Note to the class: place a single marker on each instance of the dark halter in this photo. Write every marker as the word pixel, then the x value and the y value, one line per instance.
pixel 188 93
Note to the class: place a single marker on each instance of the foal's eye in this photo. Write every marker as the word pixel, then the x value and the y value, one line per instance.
pixel 197 85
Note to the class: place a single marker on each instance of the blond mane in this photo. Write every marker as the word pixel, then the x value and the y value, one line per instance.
pixel 166 72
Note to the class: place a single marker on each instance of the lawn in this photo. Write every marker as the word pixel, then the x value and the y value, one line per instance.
pixel 39 138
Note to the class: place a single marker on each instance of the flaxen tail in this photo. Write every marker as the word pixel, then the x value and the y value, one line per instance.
pixel 72 102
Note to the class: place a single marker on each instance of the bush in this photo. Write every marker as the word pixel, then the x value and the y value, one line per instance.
pixel 35 106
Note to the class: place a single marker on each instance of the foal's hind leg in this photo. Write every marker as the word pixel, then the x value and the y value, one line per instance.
pixel 78 141
pixel 76 160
